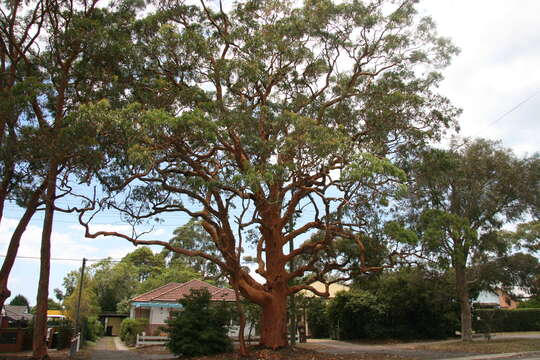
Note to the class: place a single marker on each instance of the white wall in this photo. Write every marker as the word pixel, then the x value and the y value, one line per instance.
pixel 159 315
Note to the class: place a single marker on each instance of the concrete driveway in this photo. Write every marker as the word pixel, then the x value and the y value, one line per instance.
pixel 111 348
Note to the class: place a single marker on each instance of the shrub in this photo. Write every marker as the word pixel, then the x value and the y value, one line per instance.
pixel 401 305
pixel 28 338
pixel 64 333
pixel 317 315
pixel 129 328
pixel 489 320
pixel 92 328
pixel 355 314
pixel 200 327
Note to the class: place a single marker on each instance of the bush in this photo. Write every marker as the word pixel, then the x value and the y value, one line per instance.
pixel 490 320
pixel 28 338
pixel 317 315
pixel 200 327
pixel 92 328
pixel 355 314
pixel 129 328
pixel 401 305
pixel 64 333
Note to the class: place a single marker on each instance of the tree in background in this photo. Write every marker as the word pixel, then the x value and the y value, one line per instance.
pixel 246 117
pixel 193 237
pixel 144 262
pixel 20 300
pixel 109 285
pixel 114 283
pixel 459 200
pixel 46 49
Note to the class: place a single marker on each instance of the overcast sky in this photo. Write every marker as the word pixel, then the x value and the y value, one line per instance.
pixel 497 70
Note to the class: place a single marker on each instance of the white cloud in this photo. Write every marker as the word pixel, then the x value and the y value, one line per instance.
pixel 497 68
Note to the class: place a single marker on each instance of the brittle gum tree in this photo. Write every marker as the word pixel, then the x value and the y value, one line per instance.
pixel 253 113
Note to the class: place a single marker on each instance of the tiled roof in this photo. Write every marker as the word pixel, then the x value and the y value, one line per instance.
pixel 17 312
pixel 172 292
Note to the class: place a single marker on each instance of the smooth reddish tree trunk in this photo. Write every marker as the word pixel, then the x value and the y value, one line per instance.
pixel 14 243
pixel 274 321
pixel 39 349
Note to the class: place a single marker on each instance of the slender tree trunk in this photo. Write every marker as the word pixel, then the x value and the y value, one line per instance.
pixel 40 319
pixel 274 320
pixel 242 320
pixel 464 303
pixel 15 242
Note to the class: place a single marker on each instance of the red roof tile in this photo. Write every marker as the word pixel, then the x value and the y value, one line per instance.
pixel 172 292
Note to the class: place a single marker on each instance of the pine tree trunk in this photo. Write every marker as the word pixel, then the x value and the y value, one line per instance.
pixel 464 303
pixel 40 319
pixel 274 321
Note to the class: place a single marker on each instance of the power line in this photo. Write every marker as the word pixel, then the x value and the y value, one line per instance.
pixel 63 259
pixel 513 108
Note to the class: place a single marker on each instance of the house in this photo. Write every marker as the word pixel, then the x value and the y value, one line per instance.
pixel 15 316
pixel 333 289
pixel 156 305
pixel 495 299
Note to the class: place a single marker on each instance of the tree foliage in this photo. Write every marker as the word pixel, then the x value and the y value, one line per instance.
pixel 200 328
pixel 459 200
pixel 240 118
pixel 20 300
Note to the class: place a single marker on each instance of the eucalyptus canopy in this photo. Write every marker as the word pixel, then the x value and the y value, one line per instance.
pixel 241 118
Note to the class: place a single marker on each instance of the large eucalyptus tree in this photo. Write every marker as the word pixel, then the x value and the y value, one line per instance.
pixel 247 115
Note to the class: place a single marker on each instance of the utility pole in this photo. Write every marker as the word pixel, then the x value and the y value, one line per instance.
pixel 81 283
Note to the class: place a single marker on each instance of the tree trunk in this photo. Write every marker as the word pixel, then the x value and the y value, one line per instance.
pixel 241 319
pixel 274 321
pixel 464 303
pixel 14 244
pixel 40 319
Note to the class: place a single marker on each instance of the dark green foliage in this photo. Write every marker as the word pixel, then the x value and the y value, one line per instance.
pixel 356 314
pixel 92 328
pixel 200 328
pixel 533 303
pixel 20 300
pixel 402 305
pixel 506 320
pixel 318 320
pixel 53 305
pixel 130 328
pixel 64 333
pixel 28 335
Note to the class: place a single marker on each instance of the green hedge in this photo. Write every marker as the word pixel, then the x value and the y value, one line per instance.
pixel 489 320
pixel 129 328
